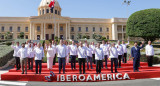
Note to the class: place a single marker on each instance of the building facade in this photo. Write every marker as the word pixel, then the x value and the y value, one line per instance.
pixel 48 25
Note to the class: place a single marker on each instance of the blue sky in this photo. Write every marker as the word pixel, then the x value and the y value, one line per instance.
pixel 78 8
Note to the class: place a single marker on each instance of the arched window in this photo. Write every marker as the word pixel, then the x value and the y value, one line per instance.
pixel 47 10
pixel 43 11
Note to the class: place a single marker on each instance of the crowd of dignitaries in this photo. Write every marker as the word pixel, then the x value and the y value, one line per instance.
pixel 30 52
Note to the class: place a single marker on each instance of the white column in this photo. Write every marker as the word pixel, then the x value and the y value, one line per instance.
pixel 44 31
pixel 66 31
pixel 122 33
pixel 33 32
pixel 41 31
pixel 30 31
pixel 114 32
pixel 58 31
pixel 55 29
pixel 69 31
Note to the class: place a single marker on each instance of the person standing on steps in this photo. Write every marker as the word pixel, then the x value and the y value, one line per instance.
pixel 89 57
pixel 16 48
pixel 62 55
pixel 149 54
pixel 105 51
pixel 124 45
pixel 99 56
pixel 50 56
pixel 73 55
pixel 30 52
pixel 22 52
pixel 82 55
pixel 114 57
pixel 92 46
pixel 39 55
pixel 120 53
pixel 135 53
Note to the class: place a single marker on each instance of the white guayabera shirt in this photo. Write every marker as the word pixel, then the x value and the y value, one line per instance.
pixel 61 51
pixel 16 48
pixel 99 55
pixel 39 53
pixel 22 53
pixel 82 52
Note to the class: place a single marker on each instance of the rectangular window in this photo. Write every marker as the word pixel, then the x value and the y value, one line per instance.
pixel 47 10
pixel 10 29
pixel 26 37
pixel 79 29
pixel 50 26
pixel 72 36
pixel 2 37
pixel 2 29
pixel 61 28
pixel 93 29
pixel 55 11
pixel 107 37
pixel 72 29
pixel 19 29
pixel 26 29
pixel 86 29
pixel 38 29
pixel 107 29
pixel 43 11
pixel 100 29
pixel 80 36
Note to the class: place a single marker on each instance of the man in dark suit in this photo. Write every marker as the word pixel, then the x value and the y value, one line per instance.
pixel 135 53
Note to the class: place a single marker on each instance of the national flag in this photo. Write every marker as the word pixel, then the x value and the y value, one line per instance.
pixel 51 5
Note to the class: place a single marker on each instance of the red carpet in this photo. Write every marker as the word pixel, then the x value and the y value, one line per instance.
pixel 73 75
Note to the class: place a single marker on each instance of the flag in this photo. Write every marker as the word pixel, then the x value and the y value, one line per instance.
pixel 51 5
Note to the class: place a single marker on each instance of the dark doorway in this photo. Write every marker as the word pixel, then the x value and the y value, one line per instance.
pixel 47 36
pixel 52 36
pixel 38 37
pixel 61 36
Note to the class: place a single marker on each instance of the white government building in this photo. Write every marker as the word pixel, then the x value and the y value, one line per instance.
pixel 49 25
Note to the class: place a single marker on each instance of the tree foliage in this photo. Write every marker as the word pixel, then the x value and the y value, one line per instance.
pixel 145 24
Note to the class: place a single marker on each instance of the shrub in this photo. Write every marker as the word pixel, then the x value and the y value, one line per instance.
pixel 8 43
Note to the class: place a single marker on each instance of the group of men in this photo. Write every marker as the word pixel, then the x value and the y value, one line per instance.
pixel 96 54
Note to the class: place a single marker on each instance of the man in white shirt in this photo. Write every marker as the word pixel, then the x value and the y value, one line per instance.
pixel 105 52
pixel 16 48
pixel 39 55
pixel 62 55
pixel 120 53
pixel 89 57
pixel 54 47
pixel 114 57
pixel 124 45
pixel 93 52
pixel 99 56
pixel 73 54
pixel 82 57
pixel 149 53
pixel 30 52
pixel 22 52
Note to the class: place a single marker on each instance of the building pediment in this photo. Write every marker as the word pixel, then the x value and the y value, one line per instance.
pixel 49 17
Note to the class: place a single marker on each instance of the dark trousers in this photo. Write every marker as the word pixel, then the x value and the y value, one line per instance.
pixel 136 63
pixel 89 59
pixel 98 66
pixel 62 62
pixel 93 56
pixel 30 63
pixel 81 61
pixel 17 63
pixel 124 58
pixel 106 58
pixel 54 60
pixel 38 63
pixel 73 61
pixel 114 60
pixel 119 60
pixel 150 61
